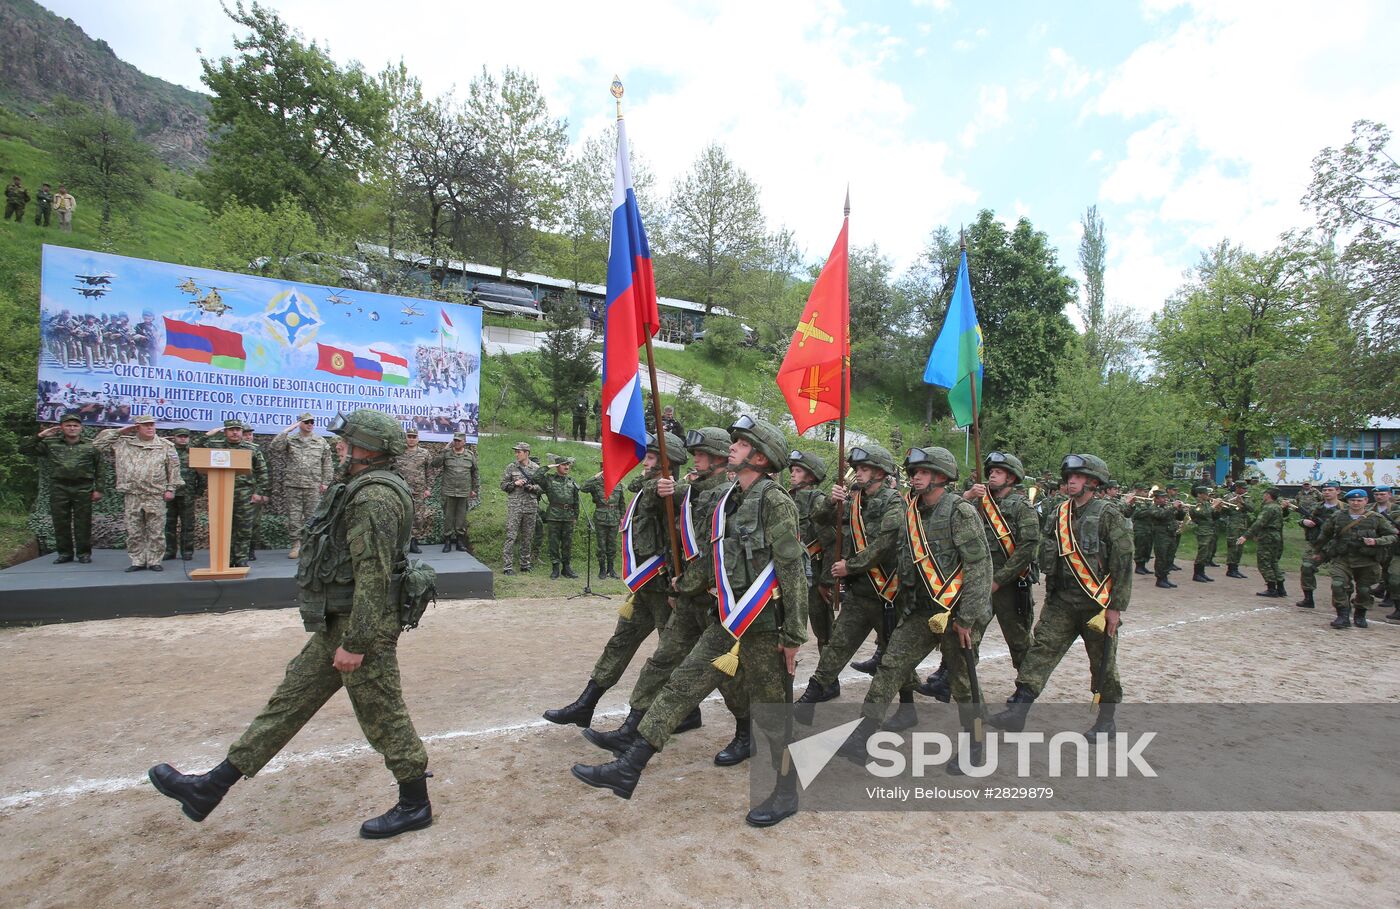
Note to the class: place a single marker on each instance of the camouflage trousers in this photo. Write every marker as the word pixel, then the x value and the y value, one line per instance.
pixel 1207 542
pixel 1163 550
pixel 1266 556
pixel 1142 543
pixel 762 674
pixel 819 612
pixel 71 510
pixel 311 679
pixel 650 612
pixel 605 539
pixel 520 534
pixel 422 514
pixel 858 617
pixel 245 517
pixel 688 622
pixel 561 541
pixel 1307 570
pixel 1234 552
pixel 301 505
pixel 454 519
pixel 1014 620
pixel 1351 584
pixel 180 523
pixel 959 679
pixel 145 528
pixel 911 642
pixel 1172 546
pixel 1061 622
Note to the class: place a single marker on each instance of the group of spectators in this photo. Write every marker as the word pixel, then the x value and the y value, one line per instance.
pixel 50 203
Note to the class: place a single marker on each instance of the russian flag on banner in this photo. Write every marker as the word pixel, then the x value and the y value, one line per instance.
pixel 629 318
pixel 395 369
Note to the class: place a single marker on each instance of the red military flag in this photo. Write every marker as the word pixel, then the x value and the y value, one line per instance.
pixel 816 366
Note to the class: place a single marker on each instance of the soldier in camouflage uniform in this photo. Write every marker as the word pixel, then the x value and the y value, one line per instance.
pixel 1354 541
pixel 1389 589
pixel 75 475
pixel 1267 533
pixel 1013 602
pixel 179 511
pixel 413 466
pixel 1140 501
pixel 461 483
pixel 1177 526
pixel 1205 517
pixel 1308 498
pixel 808 471
pixel 350 602
pixel 1235 521
pixel 1313 520
pixel 562 494
pixel 1102 559
pixel 1161 517
pixel 148 473
pixel 865 608
pixel 607 516
pixel 647 609
pixel 307 472
pixel 249 489
pixel 522 506
pixel 764 516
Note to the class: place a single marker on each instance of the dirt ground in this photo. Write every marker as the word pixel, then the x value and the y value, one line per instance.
pixel 90 706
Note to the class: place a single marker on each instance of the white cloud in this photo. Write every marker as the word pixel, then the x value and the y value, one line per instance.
pixel 992 102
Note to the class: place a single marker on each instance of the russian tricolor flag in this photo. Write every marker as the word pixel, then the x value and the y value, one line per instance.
pixel 631 316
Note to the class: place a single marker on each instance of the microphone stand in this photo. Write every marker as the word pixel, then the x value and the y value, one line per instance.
pixel 588 564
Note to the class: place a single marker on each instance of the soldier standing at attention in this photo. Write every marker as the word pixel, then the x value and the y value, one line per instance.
pixel 581 417
pixel 179 511
pixel 349 601
pixel 460 482
pixel 1313 520
pixel 75 473
pixel 607 517
pixel 1354 540
pixel 412 465
pixel 1141 500
pixel 1236 521
pixel 249 489
pixel 148 473
pixel 45 206
pixel 807 472
pixel 1204 515
pixel 562 494
pixel 522 498
pixel 308 472
pixel 1267 533
pixel 63 205
pixel 1161 516
pixel 16 199
pixel 1086 555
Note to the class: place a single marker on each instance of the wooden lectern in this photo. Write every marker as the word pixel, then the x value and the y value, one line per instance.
pixel 220 466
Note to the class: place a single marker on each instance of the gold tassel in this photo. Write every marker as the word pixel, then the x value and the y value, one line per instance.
pixel 728 663
pixel 626 610
pixel 1096 624
pixel 938 622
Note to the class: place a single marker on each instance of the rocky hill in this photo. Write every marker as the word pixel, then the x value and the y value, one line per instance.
pixel 44 56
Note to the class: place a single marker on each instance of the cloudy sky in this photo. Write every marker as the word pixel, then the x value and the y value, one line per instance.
pixel 1185 122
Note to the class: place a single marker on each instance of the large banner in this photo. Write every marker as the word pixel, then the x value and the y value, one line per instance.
pixel 194 347
pixel 1347 471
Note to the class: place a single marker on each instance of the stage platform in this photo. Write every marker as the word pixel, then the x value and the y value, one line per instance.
pixel 39 592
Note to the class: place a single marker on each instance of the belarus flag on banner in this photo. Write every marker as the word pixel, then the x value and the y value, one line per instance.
pixel 629 318
pixel 395 369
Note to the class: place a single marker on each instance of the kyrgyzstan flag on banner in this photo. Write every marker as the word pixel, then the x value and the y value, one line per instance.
pixel 812 375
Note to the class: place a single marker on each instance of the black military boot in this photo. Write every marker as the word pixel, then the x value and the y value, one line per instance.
pixel 187 555
pixel 1234 572
pixel 413 812
pixel 816 693
pixel 63 560
pixel 740 748
pixel 568 571
pixel 1279 591
pixel 621 738
pixel 936 685
pixel 976 751
pixel 580 712
pixel 854 748
pixel 1360 620
pixel 602 569
pixel 413 545
pixel 198 794
pixel 1343 619
pixel 778 806
pixel 1307 601
pixel 692 720
pixel 1164 583
pixel 1141 568
pixel 1013 718
pixel 871 665
pixel 1174 567
pixel 1104 723
pixel 447 544
pixel 905 716
pixel 1394 617
pixel 167 555
pixel 619 776
pixel 1199 574
pixel 1268 592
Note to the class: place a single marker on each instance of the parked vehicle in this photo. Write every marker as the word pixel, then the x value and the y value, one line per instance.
pixel 497 296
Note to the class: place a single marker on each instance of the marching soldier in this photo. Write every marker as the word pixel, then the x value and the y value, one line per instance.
pixel 807 472
pixel 1267 533
pixel 1390 561
pixel 75 475
pixel 1086 555
pixel 179 511
pixel 607 517
pixel 148 473
pixel 1013 536
pixel 522 505
pixel 249 489
pixel 355 620
pixel 413 466
pixel 758 563
pixel 460 483
pixel 1236 521
pixel 1313 521
pixel 1308 497
pixel 308 472
pixel 1353 541
pixel 1204 517
pixel 562 494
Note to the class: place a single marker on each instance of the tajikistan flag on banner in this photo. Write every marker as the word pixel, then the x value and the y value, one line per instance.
pixel 447 332
pixel 395 369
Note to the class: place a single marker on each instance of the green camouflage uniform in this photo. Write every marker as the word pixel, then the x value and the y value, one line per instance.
pixel 1106 544
pixel 460 482
pixel 1390 559
pixel 1205 518
pixel 1267 534
pixel 1235 522
pixel 414 466
pixel 354 546
pixel 75 470
pixel 1012 603
pixel 179 511
pixel 1319 515
pixel 821 539
pixel 1356 567
pixel 607 517
pixel 245 486
pixel 146 471
pixel 562 493
pixel 522 505
pixel 308 467
pixel 1161 523
pixel 1142 529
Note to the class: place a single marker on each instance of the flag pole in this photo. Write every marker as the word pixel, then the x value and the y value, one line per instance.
pixel 972 387
pixel 841 419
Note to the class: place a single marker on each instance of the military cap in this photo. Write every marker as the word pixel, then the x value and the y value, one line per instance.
pixel 1331 484
pixel 522 446
pixel 306 416
pixel 411 432
pixel 1137 486
pixel 1355 494
pixel 557 460
pixel 1159 491
pixel 247 427
pixel 1381 489
pixel 233 424
pixel 143 418
pixel 71 416
pixel 1239 484
pixel 1197 490
pixel 181 431
pixel 1171 486
pixel 459 435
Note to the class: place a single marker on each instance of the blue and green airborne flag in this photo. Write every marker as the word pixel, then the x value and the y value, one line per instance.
pixel 956 357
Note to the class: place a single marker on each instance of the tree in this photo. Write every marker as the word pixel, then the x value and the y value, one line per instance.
pixel 586 213
pixel 878 310
pixel 714 231
pixel 1093 251
pixel 516 185
pixel 246 235
pixel 777 288
pixel 567 365
pixel 99 155
pixel 286 121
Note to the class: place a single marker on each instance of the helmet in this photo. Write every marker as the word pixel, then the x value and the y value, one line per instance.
pixel 1088 465
pixel 371 430
pixel 710 439
pixel 765 437
pixel 675 448
pixel 1007 462
pixel 813 464
pixel 939 460
pixel 875 456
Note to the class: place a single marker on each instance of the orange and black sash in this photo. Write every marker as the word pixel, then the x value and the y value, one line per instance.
pixel 944 591
pixel 1100 591
pixel 886 585
pixel 997 521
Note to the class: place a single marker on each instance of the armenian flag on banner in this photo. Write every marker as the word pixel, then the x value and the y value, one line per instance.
pixel 204 344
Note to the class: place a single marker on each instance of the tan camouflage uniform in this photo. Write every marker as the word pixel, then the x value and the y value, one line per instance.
pixel 146 471
pixel 308 467
pixel 413 466
pixel 522 507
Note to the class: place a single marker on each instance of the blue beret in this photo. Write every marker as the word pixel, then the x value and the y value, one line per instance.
pixel 1355 494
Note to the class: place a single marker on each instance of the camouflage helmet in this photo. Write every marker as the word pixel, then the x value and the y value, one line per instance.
pixel 710 439
pixel 939 460
pixel 371 430
pixel 675 448
pixel 765 437
pixel 1087 464
pixel 1008 462
pixel 875 456
pixel 808 461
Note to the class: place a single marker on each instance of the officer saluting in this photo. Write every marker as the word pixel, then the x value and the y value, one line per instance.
pixel 75 473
